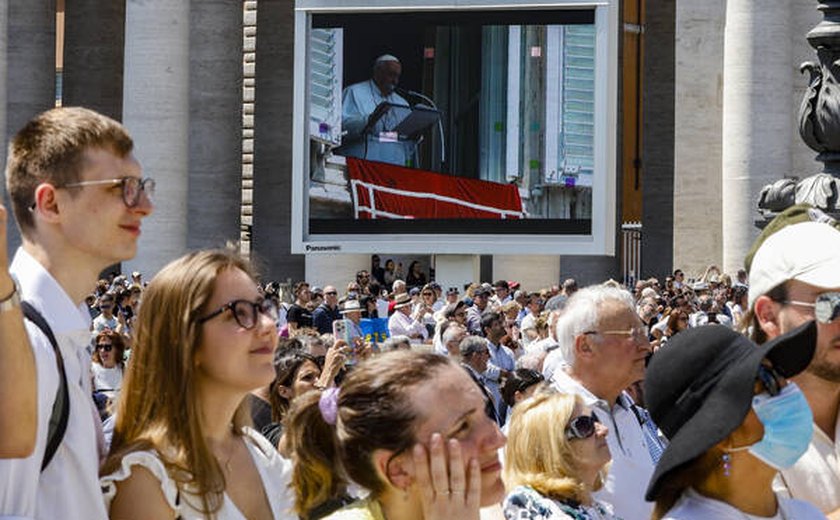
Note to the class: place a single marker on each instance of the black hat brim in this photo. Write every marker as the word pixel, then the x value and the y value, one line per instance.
pixel 728 403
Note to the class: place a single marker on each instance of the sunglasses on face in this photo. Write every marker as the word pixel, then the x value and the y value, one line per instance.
pixel 331 293
pixel 771 380
pixel 582 427
pixel 826 306
pixel 246 313
pixel 105 347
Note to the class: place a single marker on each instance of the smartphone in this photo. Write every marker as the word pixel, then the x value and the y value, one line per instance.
pixel 342 331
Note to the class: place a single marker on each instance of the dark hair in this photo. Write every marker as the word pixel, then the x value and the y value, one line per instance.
pixel 287 363
pixel 502 283
pixel 682 478
pixel 299 286
pixel 519 380
pixel 451 308
pixel 488 318
pixel 375 411
pixel 116 342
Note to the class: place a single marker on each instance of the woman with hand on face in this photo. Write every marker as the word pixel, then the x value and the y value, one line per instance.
pixel 552 476
pixel 388 430
pixel 733 421
pixel 181 448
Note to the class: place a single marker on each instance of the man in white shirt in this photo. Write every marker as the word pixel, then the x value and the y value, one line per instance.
pixel 403 323
pixel 794 278
pixel 605 344
pixel 79 200
pixel 369 131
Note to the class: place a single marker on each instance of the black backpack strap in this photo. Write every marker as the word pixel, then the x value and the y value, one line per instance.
pixel 61 405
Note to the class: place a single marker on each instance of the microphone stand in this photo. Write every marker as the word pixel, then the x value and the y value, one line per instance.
pixel 411 93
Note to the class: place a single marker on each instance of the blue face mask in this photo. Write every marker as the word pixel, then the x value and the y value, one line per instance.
pixel 788 427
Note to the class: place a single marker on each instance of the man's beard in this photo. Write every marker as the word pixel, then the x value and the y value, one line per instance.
pixel 823 369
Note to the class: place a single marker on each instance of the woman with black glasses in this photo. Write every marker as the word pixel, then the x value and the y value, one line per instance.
pixel 733 421
pixel 181 448
pixel 551 475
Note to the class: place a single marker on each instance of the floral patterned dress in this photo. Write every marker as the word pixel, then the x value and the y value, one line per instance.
pixel 525 503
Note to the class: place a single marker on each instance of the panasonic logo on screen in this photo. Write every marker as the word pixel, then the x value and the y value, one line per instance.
pixel 318 249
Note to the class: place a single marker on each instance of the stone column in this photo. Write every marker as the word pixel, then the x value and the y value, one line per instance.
pixel 271 236
pixel 156 112
pixel 94 36
pixel 757 115
pixel 30 89
pixel 698 116
pixel 215 123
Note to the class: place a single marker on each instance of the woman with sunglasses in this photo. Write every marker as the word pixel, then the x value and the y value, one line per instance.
pixel 733 421
pixel 552 476
pixel 181 448
pixel 108 363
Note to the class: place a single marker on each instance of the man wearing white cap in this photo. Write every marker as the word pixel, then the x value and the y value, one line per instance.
pixel 795 277
pixel 362 105
pixel 404 323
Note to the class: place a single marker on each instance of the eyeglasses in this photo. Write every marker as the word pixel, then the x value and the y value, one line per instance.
pixel 582 427
pixel 132 187
pixel 331 293
pixel 826 306
pixel 771 380
pixel 106 347
pixel 245 312
pixel 460 314
pixel 637 333
pixel 428 294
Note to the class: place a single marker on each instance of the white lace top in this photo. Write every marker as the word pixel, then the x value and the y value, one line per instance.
pixel 274 470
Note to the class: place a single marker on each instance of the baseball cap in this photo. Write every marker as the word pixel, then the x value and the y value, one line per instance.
pixel 792 215
pixel 807 251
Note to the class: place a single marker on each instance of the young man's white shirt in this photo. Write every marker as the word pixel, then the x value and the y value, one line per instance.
pixel 815 477
pixel 69 486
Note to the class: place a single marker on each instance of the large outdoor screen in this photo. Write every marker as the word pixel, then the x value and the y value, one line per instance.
pixel 460 129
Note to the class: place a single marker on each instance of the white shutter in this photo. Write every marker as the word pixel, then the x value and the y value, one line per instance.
pixel 325 52
pixel 577 130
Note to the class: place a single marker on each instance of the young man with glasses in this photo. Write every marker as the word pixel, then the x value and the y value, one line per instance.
pixel 79 199
pixel 794 278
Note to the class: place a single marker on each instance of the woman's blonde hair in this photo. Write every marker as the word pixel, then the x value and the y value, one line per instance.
pixel 539 456
pixel 158 407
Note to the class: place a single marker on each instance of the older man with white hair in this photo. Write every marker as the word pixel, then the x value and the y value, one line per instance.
pixel 368 116
pixel 603 346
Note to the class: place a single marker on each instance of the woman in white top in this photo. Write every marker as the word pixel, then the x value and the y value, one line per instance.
pixel 108 363
pixel 733 421
pixel 182 447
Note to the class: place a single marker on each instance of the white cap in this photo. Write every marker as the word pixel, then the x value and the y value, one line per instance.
pixel 808 252
pixel 387 57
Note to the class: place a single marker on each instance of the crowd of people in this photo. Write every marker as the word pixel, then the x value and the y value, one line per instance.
pixel 207 393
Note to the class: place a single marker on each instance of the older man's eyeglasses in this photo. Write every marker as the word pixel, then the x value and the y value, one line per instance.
pixel 582 427
pixel 132 188
pixel 637 333
pixel 246 313
pixel 826 306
